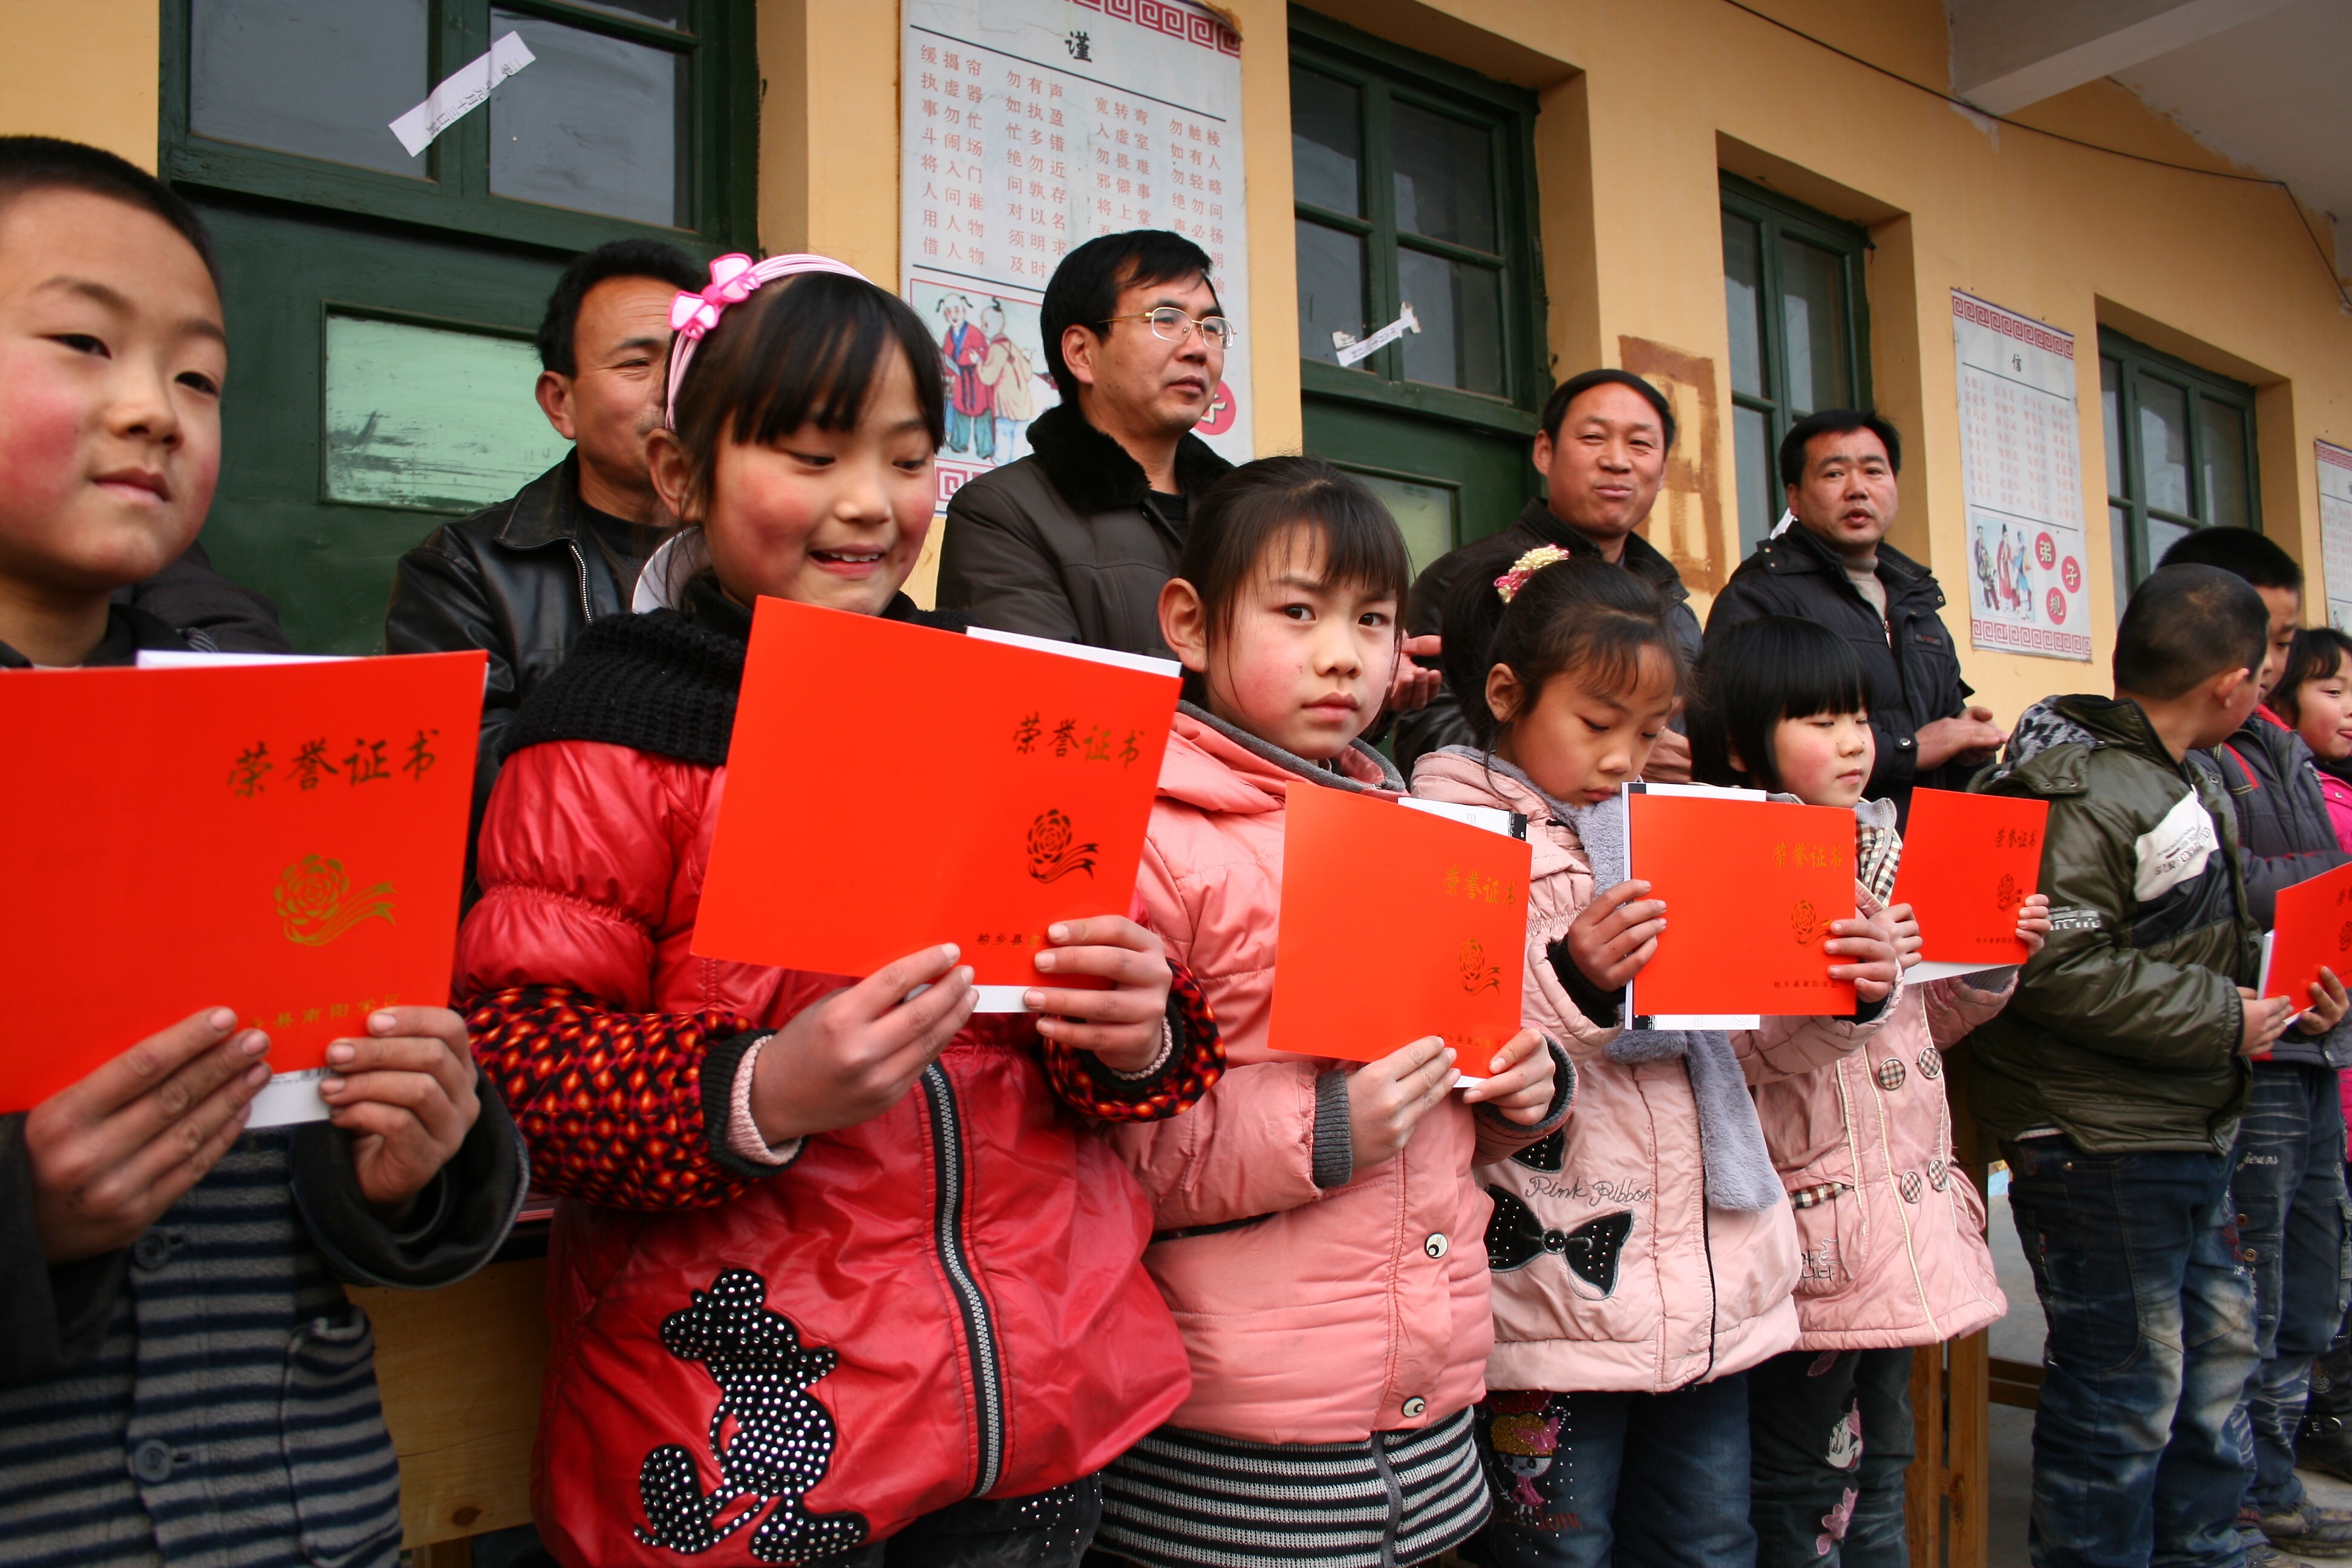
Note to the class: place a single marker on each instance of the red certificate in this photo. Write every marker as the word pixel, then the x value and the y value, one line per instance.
pixel 2312 930
pixel 286 840
pixel 1397 923
pixel 1969 860
pixel 892 785
pixel 1750 886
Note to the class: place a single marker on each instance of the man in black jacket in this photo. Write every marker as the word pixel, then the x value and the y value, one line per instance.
pixel 1602 449
pixel 523 578
pixel 1834 566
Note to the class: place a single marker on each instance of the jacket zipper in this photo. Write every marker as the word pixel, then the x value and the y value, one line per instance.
pixel 580 564
pixel 980 1333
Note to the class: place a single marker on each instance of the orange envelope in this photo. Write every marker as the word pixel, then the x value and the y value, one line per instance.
pixel 1969 860
pixel 288 841
pixel 891 786
pixel 1397 923
pixel 1750 886
pixel 2313 929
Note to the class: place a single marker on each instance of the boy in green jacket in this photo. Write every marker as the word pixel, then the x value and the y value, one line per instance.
pixel 2115 1079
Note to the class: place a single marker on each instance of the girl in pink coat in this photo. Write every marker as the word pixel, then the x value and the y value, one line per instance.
pixel 1316 1224
pixel 2314 695
pixel 1893 1231
pixel 1643 1259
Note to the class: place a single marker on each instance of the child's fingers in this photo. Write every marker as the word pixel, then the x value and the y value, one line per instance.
pixel 1100 931
pixel 419 1094
pixel 228 1068
pixel 1400 1066
pixel 951 996
pixel 1125 966
pixel 428 1055
pixel 1120 1007
pixel 1608 902
pixel 147 1066
pixel 887 987
pixel 1086 1037
pixel 178 1156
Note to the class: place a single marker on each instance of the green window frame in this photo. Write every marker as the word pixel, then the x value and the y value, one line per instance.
pixel 2180 445
pixel 718 133
pixel 1388 78
pixel 1775 378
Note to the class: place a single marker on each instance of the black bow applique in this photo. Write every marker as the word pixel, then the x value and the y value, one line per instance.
pixel 1545 1153
pixel 1515 1237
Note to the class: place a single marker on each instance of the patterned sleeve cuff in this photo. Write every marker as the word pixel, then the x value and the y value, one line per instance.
pixel 736 1146
pixel 1192 1059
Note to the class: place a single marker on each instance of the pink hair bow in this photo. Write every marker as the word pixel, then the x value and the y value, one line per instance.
pixel 734 277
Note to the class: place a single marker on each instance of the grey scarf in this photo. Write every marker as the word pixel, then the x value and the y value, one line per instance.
pixel 1318 773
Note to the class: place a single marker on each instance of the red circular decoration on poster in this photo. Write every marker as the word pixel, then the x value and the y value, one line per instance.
pixel 1220 417
pixel 2057 602
pixel 2045 553
pixel 2071 574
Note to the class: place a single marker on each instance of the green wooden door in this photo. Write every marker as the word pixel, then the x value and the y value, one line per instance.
pixel 379 381
pixel 1446 485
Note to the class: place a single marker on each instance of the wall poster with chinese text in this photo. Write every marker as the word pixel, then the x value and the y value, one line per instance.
pixel 2335 464
pixel 1032 126
pixel 2021 477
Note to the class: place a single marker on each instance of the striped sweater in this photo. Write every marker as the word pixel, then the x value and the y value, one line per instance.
pixel 207 1398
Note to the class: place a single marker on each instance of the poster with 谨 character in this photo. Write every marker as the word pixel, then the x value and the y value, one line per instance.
pixel 288 840
pixel 2021 477
pixel 1029 127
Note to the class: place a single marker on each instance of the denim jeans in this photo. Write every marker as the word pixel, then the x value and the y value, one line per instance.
pixel 2286 1182
pixel 2151 1340
pixel 1832 1434
pixel 1659 1479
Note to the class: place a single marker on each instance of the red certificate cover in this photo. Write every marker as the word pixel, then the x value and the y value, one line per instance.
pixel 1397 923
pixel 1969 860
pixel 288 841
pixel 891 786
pixel 1750 886
pixel 2314 929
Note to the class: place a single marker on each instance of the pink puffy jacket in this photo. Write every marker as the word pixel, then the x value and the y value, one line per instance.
pixel 1894 1250
pixel 1311 1313
pixel 1696 1292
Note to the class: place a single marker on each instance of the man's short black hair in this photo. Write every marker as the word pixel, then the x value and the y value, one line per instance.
pixel 46 162
pixel 2186 625
pixel 1085 288
pixel 654 258
pixel 1555 408
pixel 1835 422
pixel 2240 552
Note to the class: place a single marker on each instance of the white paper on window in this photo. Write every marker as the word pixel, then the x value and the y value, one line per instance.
pixel 1030 127
pixel 2335 464
pixel 2021 477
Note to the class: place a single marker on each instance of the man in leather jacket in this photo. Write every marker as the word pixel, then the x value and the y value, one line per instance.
pixel 522 578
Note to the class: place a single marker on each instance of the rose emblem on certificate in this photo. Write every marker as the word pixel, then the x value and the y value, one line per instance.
pixel 1477 974
pixel 1804 921
pixel 1053 849
pixel 316 904
pixel 2005 896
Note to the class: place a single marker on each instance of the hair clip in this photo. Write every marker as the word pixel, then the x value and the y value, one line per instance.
pixel 733 276
pixel 1510 583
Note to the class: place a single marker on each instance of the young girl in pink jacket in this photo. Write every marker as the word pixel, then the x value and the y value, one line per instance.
pixel 1644 1259
pixel 1316 1226
pixel 1893 1231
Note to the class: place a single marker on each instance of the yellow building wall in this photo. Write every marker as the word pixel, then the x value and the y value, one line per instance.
pixel 87 71
pixel 1642 108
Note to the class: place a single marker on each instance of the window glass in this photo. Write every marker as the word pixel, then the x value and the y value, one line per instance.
pixel 2163 448
pixel 1444 178
pixel 2225 464
pixel 431 418
pixel 1813 296
pixel 1460 310
pixel 669 13
pixel 2111 381
pixel 1330 289
pixel 1424 513
pixel 1752 460
pixel 2162 536
pixel 1325 142
pixel 322 78
pixel 592 123
pixel 2119 542
pixel 1743 283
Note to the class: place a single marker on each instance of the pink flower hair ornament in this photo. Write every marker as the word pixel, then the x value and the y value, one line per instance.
pixel 734 277
pixel 1510 583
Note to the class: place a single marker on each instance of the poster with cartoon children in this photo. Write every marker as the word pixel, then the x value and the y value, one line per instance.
pixel 2021 477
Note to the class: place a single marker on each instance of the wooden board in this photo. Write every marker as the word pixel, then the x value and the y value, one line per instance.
pixel 459 1369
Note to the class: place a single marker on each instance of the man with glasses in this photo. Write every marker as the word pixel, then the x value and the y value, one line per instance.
pixel 1074 541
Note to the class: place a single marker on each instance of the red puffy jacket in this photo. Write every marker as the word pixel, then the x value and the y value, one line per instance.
pixel 945 1301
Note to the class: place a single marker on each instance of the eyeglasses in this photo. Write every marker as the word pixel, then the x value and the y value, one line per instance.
pixel 1174 325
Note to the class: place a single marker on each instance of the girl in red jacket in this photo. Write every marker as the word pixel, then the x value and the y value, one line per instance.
pixel 1317 1225
pixel 842 1274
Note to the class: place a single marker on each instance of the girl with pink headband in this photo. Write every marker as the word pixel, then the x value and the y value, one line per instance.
pixel 838 1266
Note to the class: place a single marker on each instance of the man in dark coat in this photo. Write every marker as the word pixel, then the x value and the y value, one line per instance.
pixel 1602 449
pixel 1833 566
pixel 523 578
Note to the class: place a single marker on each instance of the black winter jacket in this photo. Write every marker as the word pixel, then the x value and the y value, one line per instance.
pixel 1909 661
pixel 1441 724
pixel 520 580
pixel 191 597
pixel 1068 542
